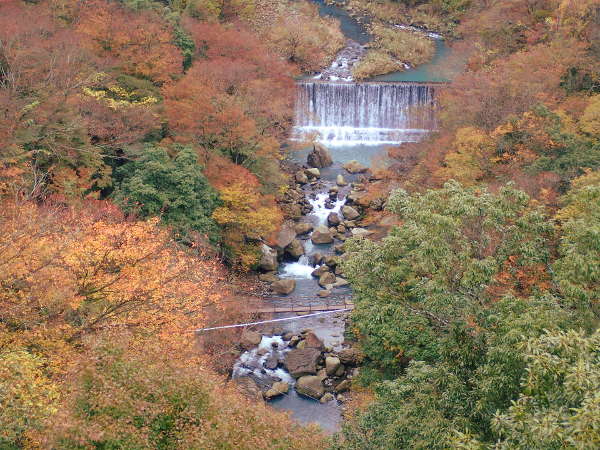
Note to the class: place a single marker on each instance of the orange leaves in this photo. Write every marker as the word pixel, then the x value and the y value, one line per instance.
pixel 140 40
pixel 62 267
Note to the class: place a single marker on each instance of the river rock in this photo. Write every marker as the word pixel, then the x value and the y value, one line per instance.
pixel 301 177
pixel 268 258
pixel 295 249
pixel 320 271
pixel 303 228
pixel 327 397
pixel 360 232
pixel 321 235
pixel 351 356
pixel 326 279
pixel 355 167
pixel 316 259
pixel 278 388
pixel 340 181
pixel 324 293
pixel 319 157
pixel 332 364
pixel 300 362
pixel 284 287
pixel 343 386
pixel 269 277
pixel 249 388
pixel 250 339
pixel 350 213
pixel 333 219
pixel 312 341
pixel 314 172
pixel 285 237
pixel 272 362
pixel 310 386
pixel 340 371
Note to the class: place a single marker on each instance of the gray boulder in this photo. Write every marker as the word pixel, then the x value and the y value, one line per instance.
pixel 319 157
pixel 285 237
pixel 332 364
pixel 310 386
pixel 361 232
pixel 250 339
pixel 327 279
pixel 284 287
pixel 278 388
pixel 350 213
pixel 301 177
pixel 303 228
pixel 300 362
pixel 355 167
pixel 321 235
pixel 314 172
pixel 268 259
pixel 333 219
pixel 295 249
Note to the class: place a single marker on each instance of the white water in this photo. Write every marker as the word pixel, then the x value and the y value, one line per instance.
pixel 302 269
pixel 363 113
pixel 252 362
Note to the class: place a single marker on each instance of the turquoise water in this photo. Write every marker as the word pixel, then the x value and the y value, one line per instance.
pixel 349 26
pixel 432 71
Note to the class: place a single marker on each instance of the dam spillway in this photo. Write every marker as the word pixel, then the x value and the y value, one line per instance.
pixel 364 113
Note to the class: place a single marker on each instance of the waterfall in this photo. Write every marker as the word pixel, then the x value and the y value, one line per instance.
pixel 363 113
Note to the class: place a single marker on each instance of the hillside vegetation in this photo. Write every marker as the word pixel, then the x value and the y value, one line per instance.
pixel 479 312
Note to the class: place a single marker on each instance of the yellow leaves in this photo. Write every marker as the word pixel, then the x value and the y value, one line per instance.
pixel 246 216
pixel 465 162
pixel 590 121
pixel 28 395
pixel 116 97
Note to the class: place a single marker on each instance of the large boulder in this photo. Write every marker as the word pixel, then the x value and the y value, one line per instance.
pixel 326 279
pixel 301 177
pixel 333 219
pixel 268 259
pixel 312 341
pixel 303 228
pixel 313 173
pixel 319 157
pixel 249 388
pixel 295 249
pixel 284 287
pixel 285 237
pixel 250 339
pixel 321 235
pixel 355 167
pixel 332 364
pixel 310 386
pixel 350 213
pixel 300 362
pixel 279 388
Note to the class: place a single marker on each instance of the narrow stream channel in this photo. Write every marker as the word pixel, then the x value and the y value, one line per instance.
pixel 355 116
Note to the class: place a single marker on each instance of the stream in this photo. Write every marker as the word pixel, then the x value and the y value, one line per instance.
pixel 355 121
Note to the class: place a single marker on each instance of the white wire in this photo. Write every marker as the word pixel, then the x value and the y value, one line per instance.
pixel 199 330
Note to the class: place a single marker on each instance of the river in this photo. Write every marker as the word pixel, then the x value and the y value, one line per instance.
pixel 356 121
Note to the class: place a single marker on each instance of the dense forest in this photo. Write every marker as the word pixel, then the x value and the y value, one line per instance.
pixel 142 167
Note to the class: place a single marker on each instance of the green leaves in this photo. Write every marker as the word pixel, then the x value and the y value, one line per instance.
pixel 173 188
